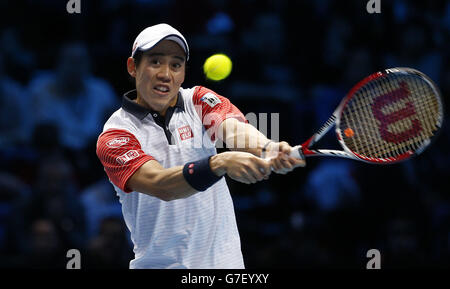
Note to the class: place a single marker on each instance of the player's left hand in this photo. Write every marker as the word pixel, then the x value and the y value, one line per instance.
pixel 281 161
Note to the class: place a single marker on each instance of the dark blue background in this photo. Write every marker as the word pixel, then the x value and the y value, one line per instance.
pixel 295 58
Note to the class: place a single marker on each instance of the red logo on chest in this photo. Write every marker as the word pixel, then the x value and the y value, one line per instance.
pixel 185 132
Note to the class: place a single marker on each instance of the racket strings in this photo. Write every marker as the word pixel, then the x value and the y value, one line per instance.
pixel 389 149
pixel 391 116
pixel 394 150
pixel 429 123
pixel 411 88
pixel 369 130
pixel 416 94
pixel 366 130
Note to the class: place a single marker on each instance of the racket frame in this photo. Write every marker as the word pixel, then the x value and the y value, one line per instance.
pixel 304 150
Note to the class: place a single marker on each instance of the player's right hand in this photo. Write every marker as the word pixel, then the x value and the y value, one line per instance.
pixel 241 166
pixel 282 162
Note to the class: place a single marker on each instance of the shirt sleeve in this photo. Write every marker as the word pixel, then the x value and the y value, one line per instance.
pixel 213 109
pixel 121 155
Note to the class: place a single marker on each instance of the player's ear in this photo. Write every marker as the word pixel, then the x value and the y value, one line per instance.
pixel 131 66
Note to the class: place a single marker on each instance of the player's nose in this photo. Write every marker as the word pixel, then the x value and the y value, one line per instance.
pixel 164 73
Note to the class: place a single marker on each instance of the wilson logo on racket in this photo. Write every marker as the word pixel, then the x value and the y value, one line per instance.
pixel 392 117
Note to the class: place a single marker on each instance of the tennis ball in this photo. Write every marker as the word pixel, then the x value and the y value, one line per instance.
pixel 217 67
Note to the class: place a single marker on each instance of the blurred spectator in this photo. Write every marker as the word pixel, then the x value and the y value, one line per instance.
pixel 331 187
pixel 326 96
pixel 403 243
pixel 446 17
pixel 100 201
pixel 336 42
pixel 109 248
pixel 264 72
pixel 72 98
pixel 45 139
pixel 19 62
pixel 215 28
pixel 15 118
pixel 219 23
pixel 46 250
pixel 13 193
pixel 359 64
pixel 415 49
pixel 441 226
pixel 55 197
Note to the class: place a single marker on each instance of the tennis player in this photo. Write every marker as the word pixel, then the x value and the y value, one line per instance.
pixel 175 200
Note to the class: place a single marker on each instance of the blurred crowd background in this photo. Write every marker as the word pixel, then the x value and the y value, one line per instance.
pixel 62 75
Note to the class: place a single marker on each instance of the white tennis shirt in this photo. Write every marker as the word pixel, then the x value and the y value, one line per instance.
pixel 196 232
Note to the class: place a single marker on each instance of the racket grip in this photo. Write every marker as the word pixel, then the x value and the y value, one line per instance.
pixel 296 152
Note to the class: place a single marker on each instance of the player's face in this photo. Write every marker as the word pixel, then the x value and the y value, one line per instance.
pixel 160 75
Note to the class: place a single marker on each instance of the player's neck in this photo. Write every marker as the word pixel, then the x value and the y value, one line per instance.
pixel 139 100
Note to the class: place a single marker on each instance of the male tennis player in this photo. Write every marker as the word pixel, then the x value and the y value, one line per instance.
pixel 175 200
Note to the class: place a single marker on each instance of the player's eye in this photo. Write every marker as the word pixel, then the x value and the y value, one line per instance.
pixel 176 65
pixel 154 61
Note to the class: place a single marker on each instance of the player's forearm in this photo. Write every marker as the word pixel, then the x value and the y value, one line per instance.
pixel 184 181
pixel 241 136
pixel 165 184
pixel 171 184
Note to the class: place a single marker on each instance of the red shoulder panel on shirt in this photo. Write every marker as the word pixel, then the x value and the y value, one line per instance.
pixel 121 155
pixel 214 108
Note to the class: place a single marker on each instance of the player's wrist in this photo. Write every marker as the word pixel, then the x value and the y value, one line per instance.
pixel 199 175
pixel 217 164
pixel 270 149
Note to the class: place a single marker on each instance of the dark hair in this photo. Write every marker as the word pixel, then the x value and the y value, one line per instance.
pixel 137 60
pixel 138 57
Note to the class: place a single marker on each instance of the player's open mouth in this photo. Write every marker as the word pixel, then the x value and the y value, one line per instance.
pixel 162 89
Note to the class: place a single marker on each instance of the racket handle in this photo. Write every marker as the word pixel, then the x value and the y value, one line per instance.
pixel 296 152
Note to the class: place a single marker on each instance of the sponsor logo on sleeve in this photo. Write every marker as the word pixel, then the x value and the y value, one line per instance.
pixel 211 99
pixel 118 142
pixel 128 156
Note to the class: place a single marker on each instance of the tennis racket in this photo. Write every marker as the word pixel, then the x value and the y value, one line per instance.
pixel 389 116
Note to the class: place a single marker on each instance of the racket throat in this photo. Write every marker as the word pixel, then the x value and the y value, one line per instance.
pixel 323 130
pixel 301 152
pixel 329 153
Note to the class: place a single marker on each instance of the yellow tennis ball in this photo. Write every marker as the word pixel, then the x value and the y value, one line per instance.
pixel 217 67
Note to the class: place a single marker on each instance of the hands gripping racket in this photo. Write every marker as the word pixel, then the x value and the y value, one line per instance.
pixel 389 116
